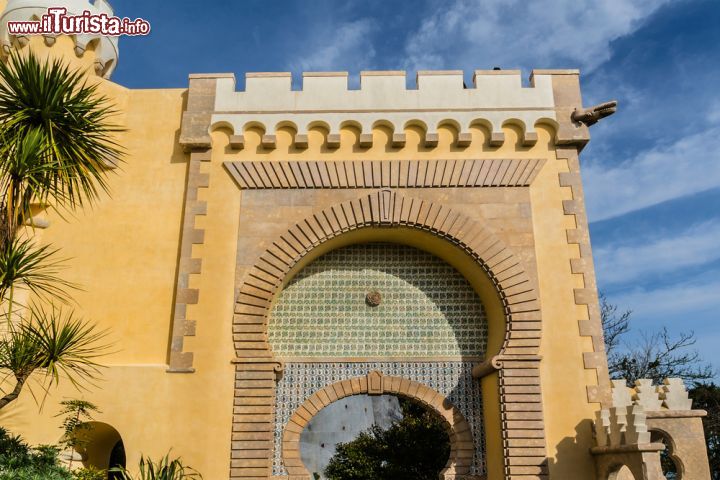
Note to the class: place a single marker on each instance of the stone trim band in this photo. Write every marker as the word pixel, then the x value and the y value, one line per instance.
pixel 256 175
pixel 180 361
pixel 583 265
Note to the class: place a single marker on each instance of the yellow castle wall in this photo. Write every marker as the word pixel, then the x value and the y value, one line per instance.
pixel 124 253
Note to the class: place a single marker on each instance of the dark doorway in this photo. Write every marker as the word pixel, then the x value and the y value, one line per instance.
pixel 117 459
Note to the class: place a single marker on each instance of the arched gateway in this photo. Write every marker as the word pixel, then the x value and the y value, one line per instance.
pixel 289 328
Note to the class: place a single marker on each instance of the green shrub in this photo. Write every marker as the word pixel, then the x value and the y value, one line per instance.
pixel 89 473
pixel 163 469
pixel 20 462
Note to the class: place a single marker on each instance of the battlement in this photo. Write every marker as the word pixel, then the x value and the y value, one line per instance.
pixel 385 90
pixel 625 422
pixel 495 99
pixel 105 48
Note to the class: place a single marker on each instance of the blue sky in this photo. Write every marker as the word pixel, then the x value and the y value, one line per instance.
pixel 651 172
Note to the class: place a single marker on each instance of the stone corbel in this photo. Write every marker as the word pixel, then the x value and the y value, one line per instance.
pixel 490 365
pixel 495 363
pixel 237 142
pixel 277 366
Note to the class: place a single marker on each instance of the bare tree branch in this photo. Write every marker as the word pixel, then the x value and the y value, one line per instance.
pixel 615 324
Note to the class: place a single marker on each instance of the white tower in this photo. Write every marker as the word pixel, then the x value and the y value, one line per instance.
pixel 96 51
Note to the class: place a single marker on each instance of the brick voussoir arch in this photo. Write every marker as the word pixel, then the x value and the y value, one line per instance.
pixel 386 209
pixel 461 441
pixel 517 362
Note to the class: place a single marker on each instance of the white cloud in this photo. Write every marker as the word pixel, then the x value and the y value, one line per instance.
pixel 347 46
pixel 695 246
pixel 567 33
pixel 682 303
pixel 683 307
pixel 713 112
pixel 687 166
pixel 511 33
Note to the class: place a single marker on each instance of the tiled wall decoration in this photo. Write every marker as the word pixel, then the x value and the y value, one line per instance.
pixel 426 308
pixel 452 379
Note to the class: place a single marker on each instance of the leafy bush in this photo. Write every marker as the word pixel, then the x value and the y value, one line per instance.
pixel 163 469
pixel 20 462
pixel 89 473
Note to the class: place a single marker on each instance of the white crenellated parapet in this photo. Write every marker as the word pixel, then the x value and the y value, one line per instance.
pixel 624 423
pixel 671 395
pixel 621 395
pixel 620 426
pixel 674 395
pixel 603 427
pixel 636 431
pixel 647 394
pixel 106 50
pixel 496 99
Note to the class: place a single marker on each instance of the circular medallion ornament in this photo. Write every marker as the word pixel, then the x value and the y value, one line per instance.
pixel 373 298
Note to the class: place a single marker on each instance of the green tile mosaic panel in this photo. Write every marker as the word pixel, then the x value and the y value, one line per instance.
pixel 427 308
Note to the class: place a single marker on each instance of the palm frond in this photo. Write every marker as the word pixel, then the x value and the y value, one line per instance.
pixel 23 176
pixel 35 268
pixel 54 344
pixel 68 347
pixel 73 121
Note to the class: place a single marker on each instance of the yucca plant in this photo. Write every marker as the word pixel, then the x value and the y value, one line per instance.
pixel 56 140
pixel 163 469
pixel 57 133
pixel 53 344
pixel 35 268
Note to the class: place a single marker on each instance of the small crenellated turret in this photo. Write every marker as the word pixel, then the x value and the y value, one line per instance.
pixel 96 53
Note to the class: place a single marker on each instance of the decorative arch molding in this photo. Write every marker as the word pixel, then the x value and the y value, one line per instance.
pixel 517 362
pixel 375 383
pixel 382 209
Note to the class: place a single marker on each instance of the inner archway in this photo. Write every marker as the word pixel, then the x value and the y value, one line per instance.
pixel 375 436
pixel 103 447
pixel 379 306
pixel 461 451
